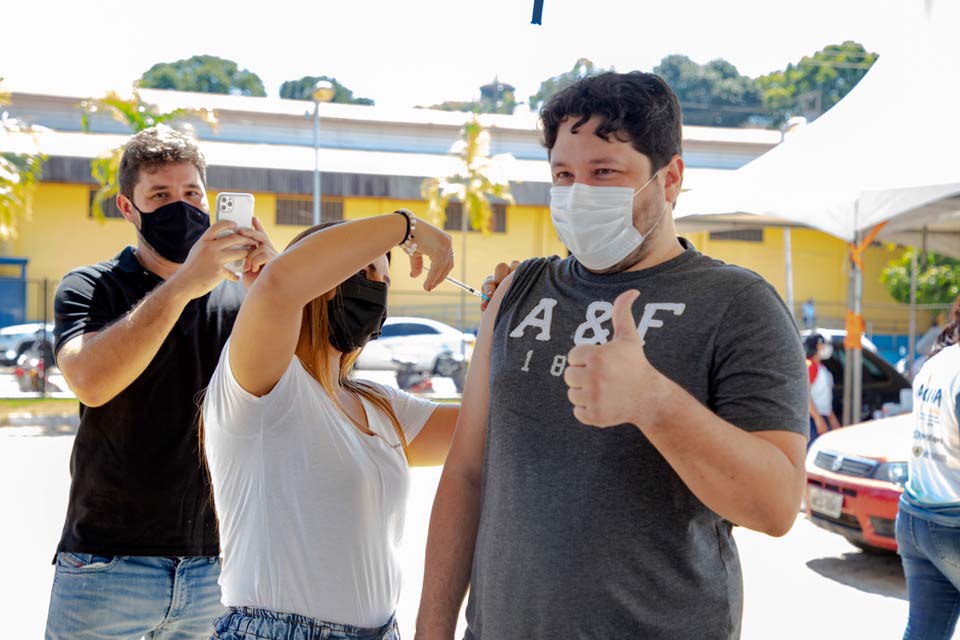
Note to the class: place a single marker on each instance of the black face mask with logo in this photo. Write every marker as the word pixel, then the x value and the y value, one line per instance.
pixel 357 313
pixel 173 229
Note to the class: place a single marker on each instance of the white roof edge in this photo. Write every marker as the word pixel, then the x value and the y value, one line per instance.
pixel 525 122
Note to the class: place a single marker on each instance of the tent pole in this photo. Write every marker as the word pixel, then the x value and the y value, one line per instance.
pixel 912 336
pixel 788 262
pixel 857 360
pixel 847 368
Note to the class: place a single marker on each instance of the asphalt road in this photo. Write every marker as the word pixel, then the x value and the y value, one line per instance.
pixel 808 584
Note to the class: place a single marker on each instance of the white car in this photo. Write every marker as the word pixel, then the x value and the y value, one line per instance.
pixel 17 338
pixel 420 344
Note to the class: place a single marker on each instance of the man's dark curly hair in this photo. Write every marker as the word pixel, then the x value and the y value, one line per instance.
pixel 636 107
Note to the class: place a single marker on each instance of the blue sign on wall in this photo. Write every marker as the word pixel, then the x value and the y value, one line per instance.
pixel 13 292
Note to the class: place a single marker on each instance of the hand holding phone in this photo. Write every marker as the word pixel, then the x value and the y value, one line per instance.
pixel 238 208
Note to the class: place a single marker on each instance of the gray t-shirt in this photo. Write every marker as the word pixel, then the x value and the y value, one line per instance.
pixel 589 533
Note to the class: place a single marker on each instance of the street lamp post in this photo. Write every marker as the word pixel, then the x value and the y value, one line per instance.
pixel 322 92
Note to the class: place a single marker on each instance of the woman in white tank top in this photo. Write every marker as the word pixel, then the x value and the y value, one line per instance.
pixel 309 468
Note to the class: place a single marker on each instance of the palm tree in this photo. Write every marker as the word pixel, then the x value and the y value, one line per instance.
pixel 19 172
pixel 479 178
pixel 137 115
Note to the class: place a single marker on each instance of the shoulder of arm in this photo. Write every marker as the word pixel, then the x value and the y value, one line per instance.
pixel 77 309
pixel 759 378
pixel 229 407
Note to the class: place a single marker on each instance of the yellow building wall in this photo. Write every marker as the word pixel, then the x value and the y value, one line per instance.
pixel 821 272
pixel 62 235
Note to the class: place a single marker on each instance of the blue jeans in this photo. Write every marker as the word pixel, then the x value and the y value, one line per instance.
pixel 246 623
pixel 930 553
pixel 128 597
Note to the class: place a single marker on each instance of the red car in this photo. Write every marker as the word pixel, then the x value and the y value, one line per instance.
pixel 855 476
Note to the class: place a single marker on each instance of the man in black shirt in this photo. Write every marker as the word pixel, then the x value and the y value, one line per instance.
pixel 137 338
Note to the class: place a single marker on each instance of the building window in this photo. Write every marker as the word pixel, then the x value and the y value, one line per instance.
pixel 110 209
pixel 739 235
pixel 454 219
pixel 299 211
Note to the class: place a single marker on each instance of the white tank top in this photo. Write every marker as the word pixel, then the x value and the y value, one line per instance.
pixel 935 455
pixel 311 510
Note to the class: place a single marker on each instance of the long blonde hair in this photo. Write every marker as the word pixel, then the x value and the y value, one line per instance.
pixel 314 344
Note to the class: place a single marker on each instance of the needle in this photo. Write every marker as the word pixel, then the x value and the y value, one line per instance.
pixel 468 288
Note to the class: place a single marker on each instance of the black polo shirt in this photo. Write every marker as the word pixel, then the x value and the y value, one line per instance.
pixel 138 484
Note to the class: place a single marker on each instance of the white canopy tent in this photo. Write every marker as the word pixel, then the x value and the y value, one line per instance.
pixel 888 153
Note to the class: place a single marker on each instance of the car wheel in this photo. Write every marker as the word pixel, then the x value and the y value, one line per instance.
pixel 445 366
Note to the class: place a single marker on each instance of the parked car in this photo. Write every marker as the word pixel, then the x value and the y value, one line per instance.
pixel 855 476
pixel 882 383
pixel 17 338
pixel 418 344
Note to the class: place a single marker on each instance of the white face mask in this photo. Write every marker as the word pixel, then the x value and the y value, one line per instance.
pixel 596 223
pixel 825 351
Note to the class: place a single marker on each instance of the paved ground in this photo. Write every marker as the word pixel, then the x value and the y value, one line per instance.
pixel 809 584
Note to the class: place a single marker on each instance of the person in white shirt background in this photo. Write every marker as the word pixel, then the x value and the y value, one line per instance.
pixel 928 523
pixel 309 467
pixel 822 416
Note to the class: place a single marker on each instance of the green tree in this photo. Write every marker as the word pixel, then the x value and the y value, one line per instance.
pixel 137 115
pixel 19 173
pixel 477 180
pixel 204 74
pixel 713 94
pixel 302 89
pixel 816 83
pixel 551 86
pixel 938 278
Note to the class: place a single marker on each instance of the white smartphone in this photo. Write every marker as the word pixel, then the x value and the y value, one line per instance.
pixel 238 208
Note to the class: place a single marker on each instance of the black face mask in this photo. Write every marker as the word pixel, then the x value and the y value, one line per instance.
pixel 173 229
pixel 357 313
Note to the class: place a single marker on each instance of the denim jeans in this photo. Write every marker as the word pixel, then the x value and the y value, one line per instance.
pixel 245 623
pixel 129 597
pixel 930 553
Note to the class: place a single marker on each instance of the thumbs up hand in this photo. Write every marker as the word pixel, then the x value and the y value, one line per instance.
pixel 609 383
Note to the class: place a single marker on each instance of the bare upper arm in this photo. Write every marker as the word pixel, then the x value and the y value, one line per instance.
pixel 466 451
pixel 793 445
pixel 69 350
pixel 265 334
pixel 432 444
pixel 70 357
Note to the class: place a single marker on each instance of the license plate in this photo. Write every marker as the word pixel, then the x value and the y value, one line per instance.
pixel 829 503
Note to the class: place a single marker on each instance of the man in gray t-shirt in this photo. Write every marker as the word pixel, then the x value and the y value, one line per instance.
pixel 609 439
